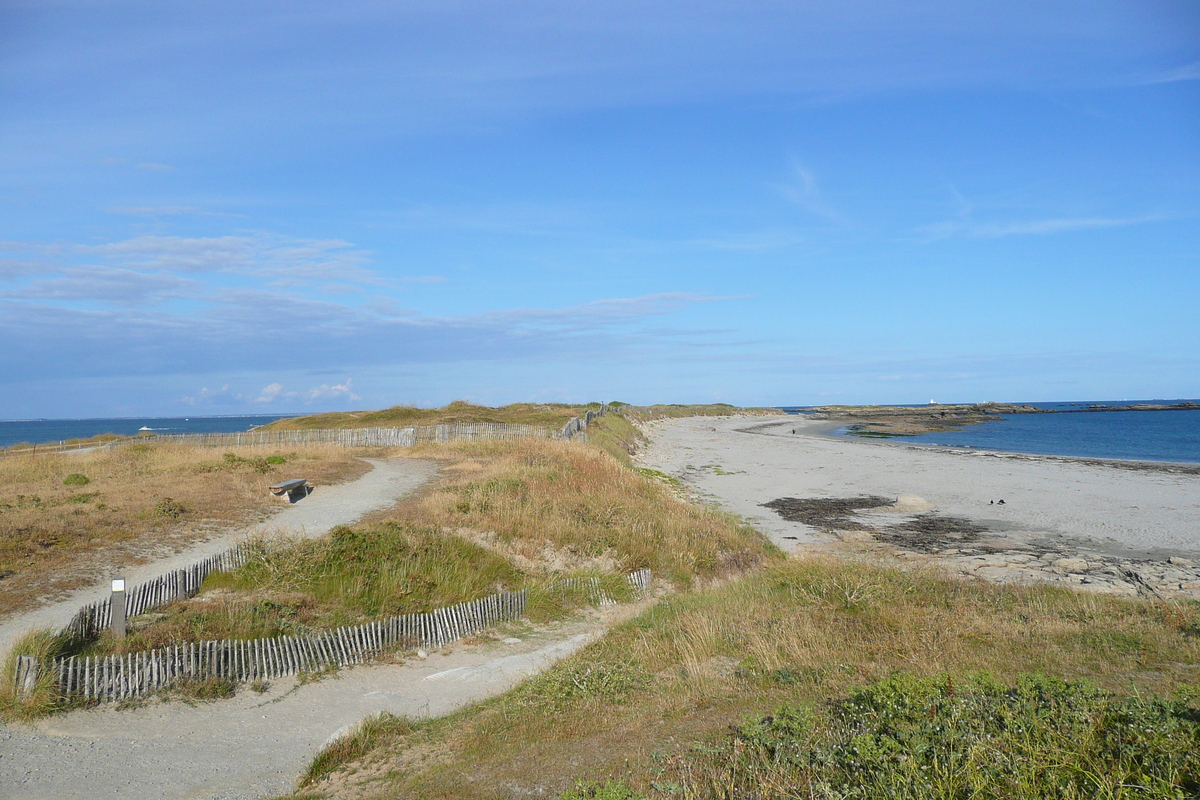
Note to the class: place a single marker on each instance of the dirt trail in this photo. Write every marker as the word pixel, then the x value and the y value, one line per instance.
pixel 388 481
pixel 253 745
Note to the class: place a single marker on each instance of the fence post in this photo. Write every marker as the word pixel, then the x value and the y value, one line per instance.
pixel 27 675
pixel 118 608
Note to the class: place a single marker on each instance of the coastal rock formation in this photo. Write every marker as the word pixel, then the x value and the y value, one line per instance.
pixel 912 420
pixel 964 547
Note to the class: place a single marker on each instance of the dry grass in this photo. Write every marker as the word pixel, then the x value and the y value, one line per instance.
pixel 565 506
pixel 138 498
pixel 804 631
pixel 677 410
pixel 548 415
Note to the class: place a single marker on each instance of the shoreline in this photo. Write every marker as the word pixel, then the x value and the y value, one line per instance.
pixel 827 430
pixel 1095 524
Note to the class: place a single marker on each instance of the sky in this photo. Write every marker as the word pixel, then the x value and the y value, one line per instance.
pixel 270 207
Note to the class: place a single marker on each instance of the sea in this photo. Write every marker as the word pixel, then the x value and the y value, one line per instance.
pixel 42 431
pixel 1130 435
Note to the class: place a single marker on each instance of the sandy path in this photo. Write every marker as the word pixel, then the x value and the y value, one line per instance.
pixel 388 481
pixel 743 463
pixel 256 745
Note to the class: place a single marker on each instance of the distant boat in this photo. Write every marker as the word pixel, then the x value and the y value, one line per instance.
pixel 144 428
pixel 933 402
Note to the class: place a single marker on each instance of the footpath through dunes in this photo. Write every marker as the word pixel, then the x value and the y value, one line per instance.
pixel 254 746
pixel 339 504
pixel 1075 522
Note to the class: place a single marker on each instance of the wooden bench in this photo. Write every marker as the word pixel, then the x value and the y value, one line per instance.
pixel 294 489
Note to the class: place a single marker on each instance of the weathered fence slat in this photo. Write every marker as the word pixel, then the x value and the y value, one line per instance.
pixel 118 677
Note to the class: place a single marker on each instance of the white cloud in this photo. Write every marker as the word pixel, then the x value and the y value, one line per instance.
pixel 214 397
pixel 269 393
pixel 325 391
pixel 181 254
pixel 254 330
pixel 120 286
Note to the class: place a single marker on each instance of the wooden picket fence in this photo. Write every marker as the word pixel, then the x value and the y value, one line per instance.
pixel 347 437
pixel 362 437
pixel 178 584
pixel 130 675
pixel 575 427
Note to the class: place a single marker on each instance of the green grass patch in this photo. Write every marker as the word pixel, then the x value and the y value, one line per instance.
pixel 76 479
pixel 295 586
pixel 945 738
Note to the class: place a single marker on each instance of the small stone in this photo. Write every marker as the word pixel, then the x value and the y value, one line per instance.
pixel 1182 562
pixel 421 654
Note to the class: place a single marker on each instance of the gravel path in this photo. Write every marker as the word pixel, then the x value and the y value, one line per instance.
pixel 387 482
pixel 254 745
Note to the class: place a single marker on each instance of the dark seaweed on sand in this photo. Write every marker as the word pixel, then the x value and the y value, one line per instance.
pixel 827 513
pixel 929 533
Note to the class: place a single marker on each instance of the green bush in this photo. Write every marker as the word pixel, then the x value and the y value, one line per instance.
pixel 607 791
pixel 169 508
pixel 975 737
pixel 75 479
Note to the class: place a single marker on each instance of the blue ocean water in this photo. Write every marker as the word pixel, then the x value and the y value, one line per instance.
pixel 39 431
pixel 1133 435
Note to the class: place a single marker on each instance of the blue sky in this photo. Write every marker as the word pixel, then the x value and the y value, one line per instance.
pixel 266 207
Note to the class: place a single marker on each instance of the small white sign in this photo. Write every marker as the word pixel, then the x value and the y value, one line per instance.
pixel 118 585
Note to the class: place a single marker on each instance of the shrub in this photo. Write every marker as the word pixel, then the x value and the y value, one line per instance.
pixel 607 791
pixel 169 508
pixel 937 737
pixel 75 479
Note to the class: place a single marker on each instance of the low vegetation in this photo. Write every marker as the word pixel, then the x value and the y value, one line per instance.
pixel 551 416
pixel 65 516
pixel 560 506
pixel 296 586
pixel 812 658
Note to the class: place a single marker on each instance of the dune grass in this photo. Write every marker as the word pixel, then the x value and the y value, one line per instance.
pixel 506 515
pixel 63 517
pixel 296 586
pixel 670 703
pixel 548 415
pixel 45 645
pixel 562 505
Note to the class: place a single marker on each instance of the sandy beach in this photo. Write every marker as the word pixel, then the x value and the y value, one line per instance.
pixel 1100 526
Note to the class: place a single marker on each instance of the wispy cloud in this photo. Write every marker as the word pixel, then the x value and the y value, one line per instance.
pixel 508 218
pixel 804 191
pixel 119 286
pixel 180 254
pixel 749 242
pixel 12 268
pixel 1037 227
pixel 169 211
pixel 1188 72
pixel 966 223
pixel 261 330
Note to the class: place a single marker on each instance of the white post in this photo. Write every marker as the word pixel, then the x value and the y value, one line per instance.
pixel 118 608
